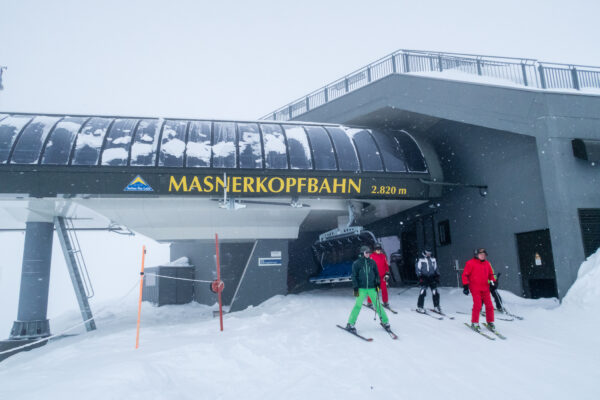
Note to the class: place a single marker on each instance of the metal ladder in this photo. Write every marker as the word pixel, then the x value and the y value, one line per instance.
pixel 77 268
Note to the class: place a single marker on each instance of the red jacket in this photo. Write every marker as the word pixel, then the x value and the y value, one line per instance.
pixel 382 263
pixel 477 274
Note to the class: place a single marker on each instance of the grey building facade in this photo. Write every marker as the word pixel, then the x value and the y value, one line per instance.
pixel 518 142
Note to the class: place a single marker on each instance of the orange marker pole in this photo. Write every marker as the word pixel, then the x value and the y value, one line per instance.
pixel 137 336
pixel 219 280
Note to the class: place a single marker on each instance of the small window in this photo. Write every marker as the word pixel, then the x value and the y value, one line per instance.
pixel 322 149
pixel 274 145
pixel 172 144
pixel 10 128
pixel 59 146
pixel 89 141
pixel 346 153
pixel 224 146
pixel 118 142
pixel 298 148
pixel 368 152
pixel 412 153
pixel 199 149
pixel 250 146
pixel 143 150
pixel 392 153
pixel 444 233
pixel 29 145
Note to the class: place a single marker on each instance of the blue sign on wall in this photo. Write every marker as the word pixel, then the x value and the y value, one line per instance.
pixel 269 262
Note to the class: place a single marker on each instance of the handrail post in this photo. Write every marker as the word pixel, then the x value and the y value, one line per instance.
pixel 542 77
pixel 478 66
pixel 440 63
pixel 524 70
pixel 394 68
pixel 369 73
pixel 289 112
pixel 346 85
pixel 405 62
pixel 575 78
pixel 307 105
pixel 325 90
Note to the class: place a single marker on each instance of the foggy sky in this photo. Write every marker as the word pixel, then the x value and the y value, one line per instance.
pixel 241 60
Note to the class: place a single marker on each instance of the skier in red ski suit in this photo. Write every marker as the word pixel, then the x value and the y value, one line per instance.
pixel 384 272
pixel 477 276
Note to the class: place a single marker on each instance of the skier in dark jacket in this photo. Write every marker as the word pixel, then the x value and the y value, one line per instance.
pixel 429 277
pixel 494 292
pixel 365 282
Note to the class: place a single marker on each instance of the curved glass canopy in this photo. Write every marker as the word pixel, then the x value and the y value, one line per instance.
pixel 175 143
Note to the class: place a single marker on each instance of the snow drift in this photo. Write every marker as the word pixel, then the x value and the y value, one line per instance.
pixel 585 292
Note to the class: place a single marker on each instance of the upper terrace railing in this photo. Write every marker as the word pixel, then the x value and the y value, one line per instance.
pixel 484 69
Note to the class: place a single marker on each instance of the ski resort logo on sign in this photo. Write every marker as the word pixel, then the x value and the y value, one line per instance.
pixel 138 184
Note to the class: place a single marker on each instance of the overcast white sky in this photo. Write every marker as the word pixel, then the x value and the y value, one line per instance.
pixel 241 60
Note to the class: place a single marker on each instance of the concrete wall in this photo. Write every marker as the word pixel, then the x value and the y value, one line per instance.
pixel 508 164
pixel 260 282
pixel 246 283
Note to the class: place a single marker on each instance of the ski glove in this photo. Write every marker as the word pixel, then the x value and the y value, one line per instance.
pixel 386 277
pixel 355 292
pixel 466 289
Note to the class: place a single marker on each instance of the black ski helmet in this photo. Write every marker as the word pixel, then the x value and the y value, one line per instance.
pixel 377 246
pixel 364 249
pixel 426 253
pixel 479 250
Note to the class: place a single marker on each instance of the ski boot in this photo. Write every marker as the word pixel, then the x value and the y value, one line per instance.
pixel 386 326
pixel 420 310
pixel 387 305
pixel 438 310
pixel 475 326
pixel 370 305
pixel 351 328
pixel 491 326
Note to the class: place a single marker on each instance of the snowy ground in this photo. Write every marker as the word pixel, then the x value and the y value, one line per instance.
pixel 289 348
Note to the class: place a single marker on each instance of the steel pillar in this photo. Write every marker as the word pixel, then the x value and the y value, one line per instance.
pixel 31 320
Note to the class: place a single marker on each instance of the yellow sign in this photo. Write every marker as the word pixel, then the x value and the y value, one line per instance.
pixel 267 185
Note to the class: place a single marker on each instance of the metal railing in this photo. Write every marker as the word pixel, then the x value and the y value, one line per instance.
pixel 524 72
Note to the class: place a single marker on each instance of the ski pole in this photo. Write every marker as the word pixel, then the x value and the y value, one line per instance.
pixel 378 303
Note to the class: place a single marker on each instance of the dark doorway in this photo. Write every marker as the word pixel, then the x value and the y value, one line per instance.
pixel 537 264
pixel 410 251
pixel 589 219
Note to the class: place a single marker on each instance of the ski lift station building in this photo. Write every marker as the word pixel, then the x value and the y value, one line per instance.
pixel 444 151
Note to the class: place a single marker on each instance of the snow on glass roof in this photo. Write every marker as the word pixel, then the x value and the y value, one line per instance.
pixel 158 142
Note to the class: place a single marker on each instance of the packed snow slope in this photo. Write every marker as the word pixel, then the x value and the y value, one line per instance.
pixel 289 348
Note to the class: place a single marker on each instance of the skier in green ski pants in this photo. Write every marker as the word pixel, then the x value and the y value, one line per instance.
pixel 365 281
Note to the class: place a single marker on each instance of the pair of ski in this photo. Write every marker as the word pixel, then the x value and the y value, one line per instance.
pixel 388 330
pixel 483 315
pixel 494 331
pixel 370 306
pixel 426 312
pixel 511 316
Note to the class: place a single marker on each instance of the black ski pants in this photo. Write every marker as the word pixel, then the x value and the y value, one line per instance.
pixel 432 284
pixel 497 298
